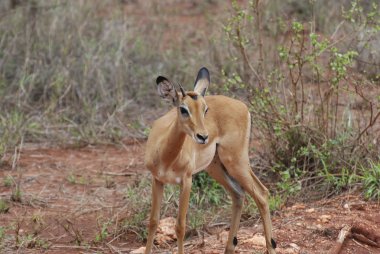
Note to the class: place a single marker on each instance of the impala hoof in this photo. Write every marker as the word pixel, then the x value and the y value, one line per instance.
pixel 274 244
pixel 235 241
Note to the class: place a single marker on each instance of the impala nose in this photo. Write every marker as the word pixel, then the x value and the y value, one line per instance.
pixel 202 138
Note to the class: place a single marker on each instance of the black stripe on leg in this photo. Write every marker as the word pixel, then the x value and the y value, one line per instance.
pixel 235 241
pixel 273 242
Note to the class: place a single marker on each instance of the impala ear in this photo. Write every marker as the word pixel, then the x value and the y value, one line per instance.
pixel 166 90
pixel 202 81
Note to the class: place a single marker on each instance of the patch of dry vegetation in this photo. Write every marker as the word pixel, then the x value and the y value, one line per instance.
pixel 83 71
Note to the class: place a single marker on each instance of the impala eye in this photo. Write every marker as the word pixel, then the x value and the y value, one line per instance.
pixel 184 112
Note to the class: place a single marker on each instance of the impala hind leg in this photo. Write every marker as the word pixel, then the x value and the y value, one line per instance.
pixel 157 193
pixel 217 171
pixel 261 196
pixel 238 167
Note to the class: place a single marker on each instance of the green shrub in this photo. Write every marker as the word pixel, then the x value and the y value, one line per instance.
pixel 206 191
pixel 8 181
pixel 371 181
pixel 299 99
pixel 4 206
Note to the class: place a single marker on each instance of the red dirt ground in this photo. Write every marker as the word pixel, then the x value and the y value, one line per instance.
pixel 68 192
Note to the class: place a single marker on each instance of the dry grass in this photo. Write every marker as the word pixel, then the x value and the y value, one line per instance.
pixel 84 71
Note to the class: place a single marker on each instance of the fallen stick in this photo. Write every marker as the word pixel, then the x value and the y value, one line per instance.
pixel 344 232
pixel 363 239
pixel 119 174
pixel 365 234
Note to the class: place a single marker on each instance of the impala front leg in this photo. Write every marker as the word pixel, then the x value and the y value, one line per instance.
pixel 183 205
pixel 157 193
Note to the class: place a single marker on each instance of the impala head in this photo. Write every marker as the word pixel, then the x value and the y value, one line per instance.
pixel 191 106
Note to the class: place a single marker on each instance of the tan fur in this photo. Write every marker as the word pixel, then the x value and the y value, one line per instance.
pixel 173 156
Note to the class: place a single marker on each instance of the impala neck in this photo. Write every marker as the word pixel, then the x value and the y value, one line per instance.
pixel 174 142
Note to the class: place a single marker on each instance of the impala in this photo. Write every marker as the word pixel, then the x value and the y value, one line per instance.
pixel 209 133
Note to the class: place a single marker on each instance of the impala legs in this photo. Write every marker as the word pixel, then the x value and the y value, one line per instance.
pixel 157 193
pixel 216 170
pixel 237 166
pixel 183 205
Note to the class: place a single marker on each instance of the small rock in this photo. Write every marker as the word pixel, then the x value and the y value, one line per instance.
pixel 294 246
pixel 346 206
pixel 140 250
pixel 311 227
pixel 298 206
pixel 166 231
pixel 310 210
pixel 287 251
pixel 325 218
pixel 257 239
pixel 167 226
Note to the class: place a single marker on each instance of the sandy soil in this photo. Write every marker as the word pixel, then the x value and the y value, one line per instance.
pixel 68 193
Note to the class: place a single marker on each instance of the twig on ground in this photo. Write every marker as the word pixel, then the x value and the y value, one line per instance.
pixel 76 247
pixel 344 232
pixel 361 245
pixel 119 174
pixel 86 211
pixel 116 237
pixel 112 248
pixel 224 224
